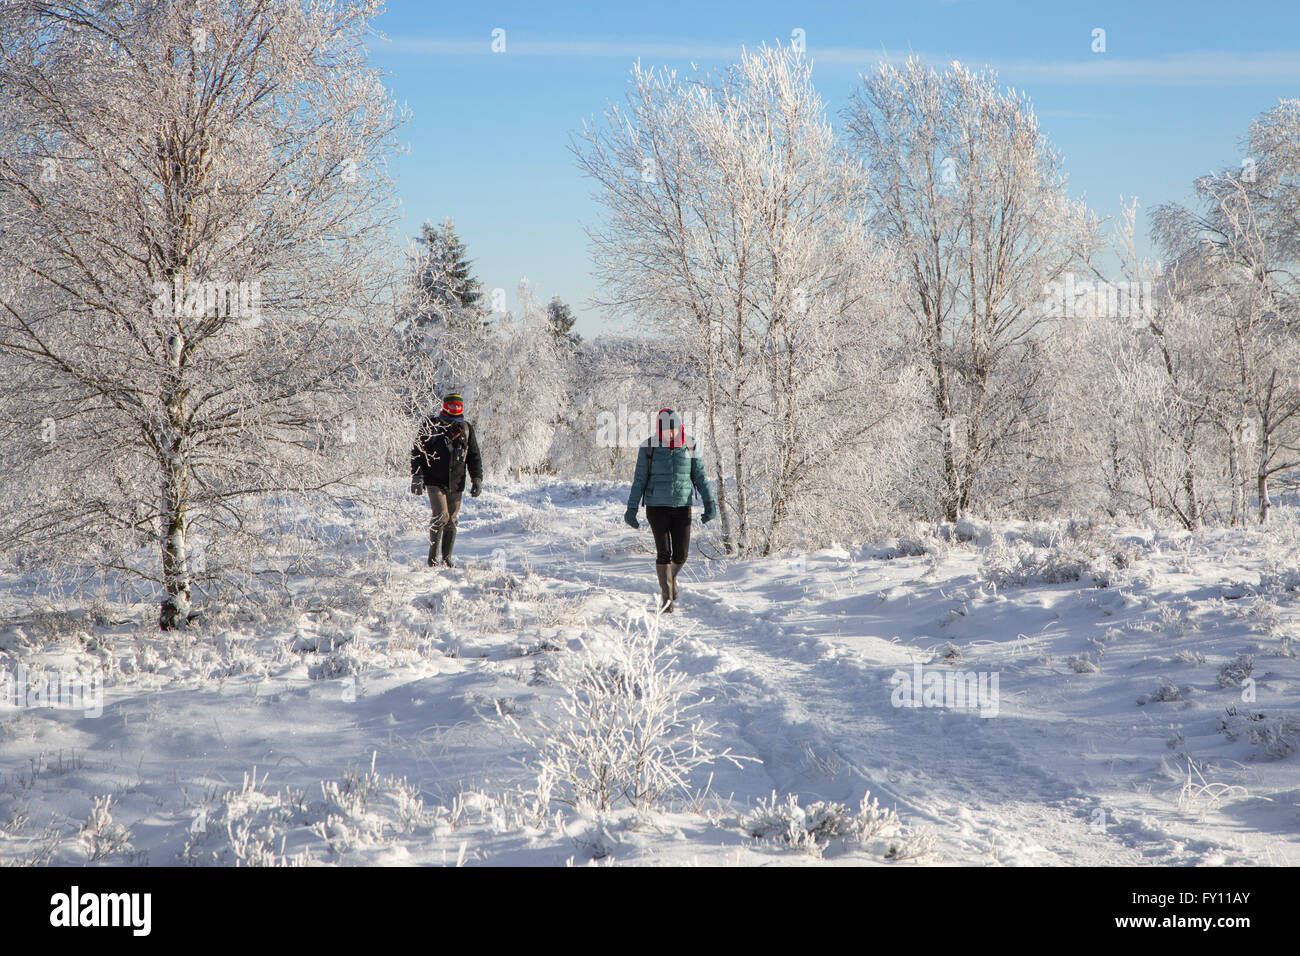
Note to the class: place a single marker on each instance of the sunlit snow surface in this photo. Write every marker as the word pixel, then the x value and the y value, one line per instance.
pixel 335 703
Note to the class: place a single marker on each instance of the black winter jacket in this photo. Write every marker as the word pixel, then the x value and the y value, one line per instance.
pixel 444 450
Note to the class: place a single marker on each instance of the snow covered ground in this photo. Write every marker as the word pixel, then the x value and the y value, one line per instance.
pixel 361 728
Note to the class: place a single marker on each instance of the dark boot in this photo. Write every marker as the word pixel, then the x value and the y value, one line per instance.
pixel 674 570
pixel 434 535
pixel 448 542
pixel 665 588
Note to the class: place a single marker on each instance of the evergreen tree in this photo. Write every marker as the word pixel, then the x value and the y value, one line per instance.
pixel 445 291
pixel 559 318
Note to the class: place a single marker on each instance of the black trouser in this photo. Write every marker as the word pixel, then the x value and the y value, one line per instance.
pixel 672 531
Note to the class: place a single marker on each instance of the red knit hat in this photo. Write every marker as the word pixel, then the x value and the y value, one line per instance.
pixel 672 423
pixel 453 406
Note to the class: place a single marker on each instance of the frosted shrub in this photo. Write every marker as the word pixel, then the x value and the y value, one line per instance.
pixel 1275 736
pixel 1166 692
pixel 913 844
pixel 911 546
pixel 625 731
pixel 102 836
pixel 972 531
pixel 248 826
pixel 1265 612
pixel 1083 664
pixel 1076 552
pixel 814 827
pixel 1003 566
pixel 1281 571
pixel 1234 672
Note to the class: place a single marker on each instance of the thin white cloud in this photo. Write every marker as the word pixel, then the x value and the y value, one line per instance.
pixel 1181 69
pixel 1101 69
pixel 1072 114
pixel 567 49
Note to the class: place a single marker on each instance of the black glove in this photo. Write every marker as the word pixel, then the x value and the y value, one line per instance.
pixel 417 485
pixel 475 490
pixel 629 516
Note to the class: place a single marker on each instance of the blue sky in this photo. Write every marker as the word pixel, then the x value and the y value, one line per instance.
pixel 489 135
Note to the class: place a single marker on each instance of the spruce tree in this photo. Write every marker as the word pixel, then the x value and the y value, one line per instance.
pixel 446 292
pixel 559 318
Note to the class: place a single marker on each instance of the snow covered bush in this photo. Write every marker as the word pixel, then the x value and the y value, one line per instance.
pixel 1083 664
pixel 815 827
pixel 249 826
pixel 1234 672
pixel 1167 691
pixel 626 730
pixel 1281 570
pixel 102 836
pixel 916 545
pixel 913 843
pixel 1056 556
pixel 1276 736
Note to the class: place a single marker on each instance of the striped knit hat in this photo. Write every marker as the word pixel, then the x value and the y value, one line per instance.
pixel 453 406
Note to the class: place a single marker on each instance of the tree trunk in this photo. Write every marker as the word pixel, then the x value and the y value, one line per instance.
pixel 738 427
pixel 738 455
pixel 1193 519
pixel 1235 481
pixel 723 514
pixel 951 474
pixel 1261 478
pixel 175 478
pixel 176 575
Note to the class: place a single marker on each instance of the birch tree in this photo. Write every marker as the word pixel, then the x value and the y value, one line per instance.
pixel 1244 234
pixel 963 184
pixel 195 204
pixel 731 226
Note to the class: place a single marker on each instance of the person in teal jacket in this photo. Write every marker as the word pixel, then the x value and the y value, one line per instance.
pixel 667 468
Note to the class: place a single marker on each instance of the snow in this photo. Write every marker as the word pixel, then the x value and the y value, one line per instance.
pixel 361 728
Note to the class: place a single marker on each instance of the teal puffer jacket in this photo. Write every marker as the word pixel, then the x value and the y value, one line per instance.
pixel 664 476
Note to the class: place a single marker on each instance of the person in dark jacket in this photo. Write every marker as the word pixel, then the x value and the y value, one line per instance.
pixel 667 468
pixel 446 447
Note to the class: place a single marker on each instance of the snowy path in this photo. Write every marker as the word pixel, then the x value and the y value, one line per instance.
pixel 803 656
pixel 820 719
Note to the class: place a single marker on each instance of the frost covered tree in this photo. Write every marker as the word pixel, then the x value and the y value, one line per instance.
pixel 730 231
pixel 618 384
pixel 560 318
pixel 964 186
pixel 194 201
pixel 1241 243
pixel 444 291
pixel 519 389
pixel 441 346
